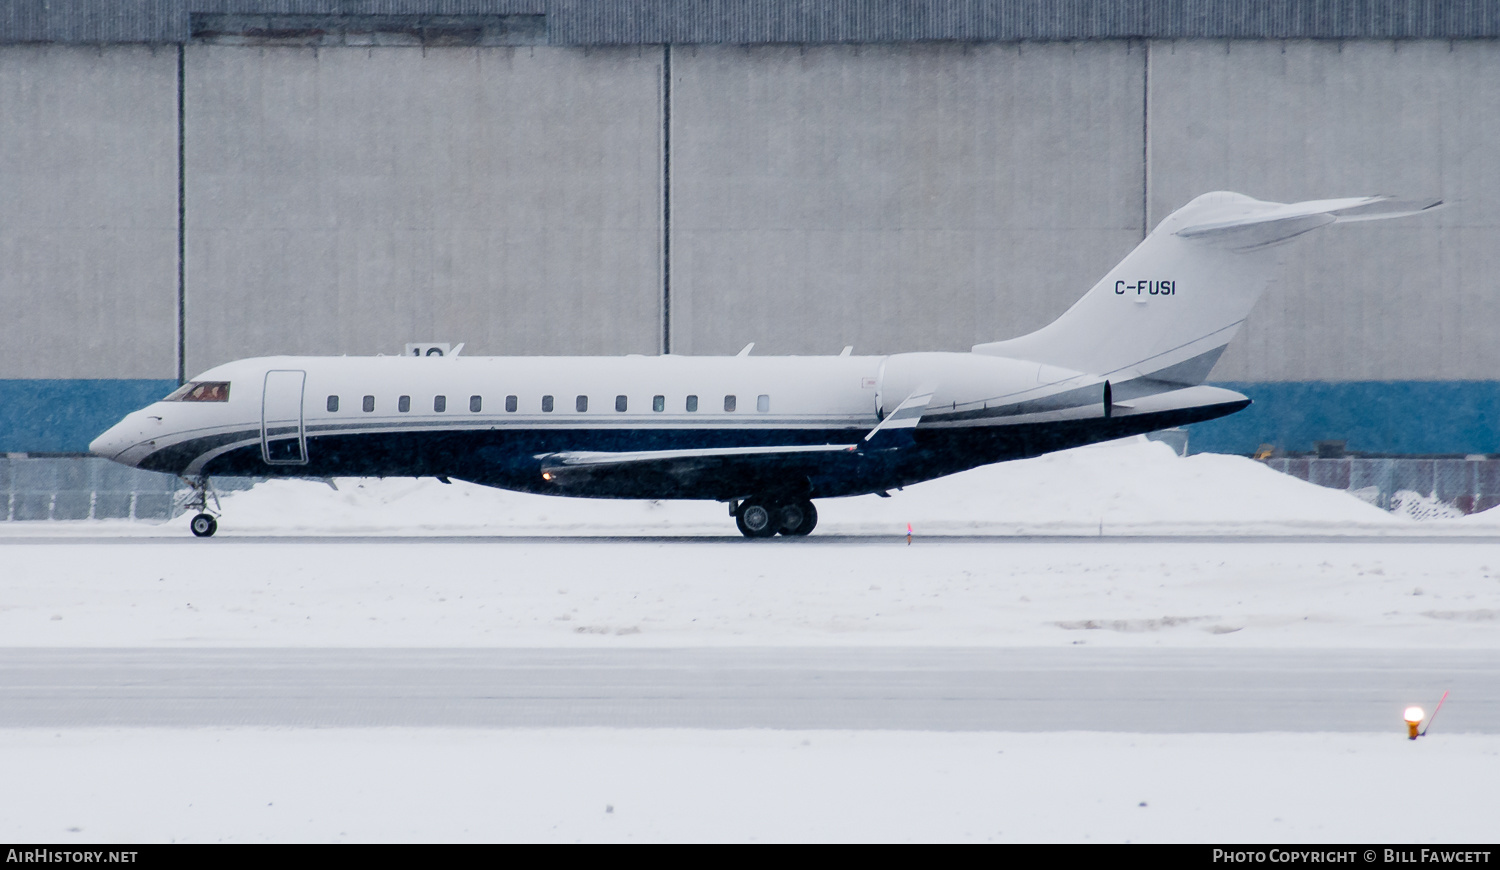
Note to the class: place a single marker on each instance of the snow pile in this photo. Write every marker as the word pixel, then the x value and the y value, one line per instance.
pixel 1130 487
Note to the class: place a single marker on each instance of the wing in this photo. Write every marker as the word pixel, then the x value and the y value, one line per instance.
pixel 896 430
pixel 731 472
pixel 720 473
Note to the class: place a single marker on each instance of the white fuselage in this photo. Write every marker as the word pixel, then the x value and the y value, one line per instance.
pixel 495 419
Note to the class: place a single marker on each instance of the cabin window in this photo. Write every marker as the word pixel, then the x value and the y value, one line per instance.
pixel 581 403
pixel 547 403
pixel 510 403
pixel 440 403
pixel 692 403
pixel 369 403
pixel 403 404
pixel 333 404
pixel 200 391
pixel 475 403
pixel 729 403
pixel 762 403
pixel 658 403
pixel 620 403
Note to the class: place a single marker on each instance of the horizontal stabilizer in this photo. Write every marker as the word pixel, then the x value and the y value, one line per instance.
pixel 1388 207
pixel 1256 225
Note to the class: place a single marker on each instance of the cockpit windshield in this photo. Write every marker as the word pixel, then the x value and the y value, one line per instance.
pixel 200 391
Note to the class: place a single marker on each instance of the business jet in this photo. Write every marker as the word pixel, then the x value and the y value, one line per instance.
pixel 764 435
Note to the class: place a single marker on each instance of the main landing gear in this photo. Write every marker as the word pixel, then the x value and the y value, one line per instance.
pixel 764 516
pixel 205 523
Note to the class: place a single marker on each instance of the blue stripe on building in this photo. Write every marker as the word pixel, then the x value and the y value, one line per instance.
pixel 63 416
pixel 1374 417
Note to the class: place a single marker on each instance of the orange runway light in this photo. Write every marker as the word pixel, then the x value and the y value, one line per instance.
pixel 1413 717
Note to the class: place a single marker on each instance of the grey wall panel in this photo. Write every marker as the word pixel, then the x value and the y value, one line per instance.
pixel 897 198
pixel 351 200
pixel 88 212
pixel 1297 120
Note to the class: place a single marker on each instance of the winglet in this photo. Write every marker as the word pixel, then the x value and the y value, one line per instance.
pixel 897 429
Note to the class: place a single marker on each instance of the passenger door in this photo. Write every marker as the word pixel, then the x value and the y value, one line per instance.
pixel 283 440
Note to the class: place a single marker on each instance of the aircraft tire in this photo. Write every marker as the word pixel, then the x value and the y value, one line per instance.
pixel 798 518
pixel 204 526
pixel 757 519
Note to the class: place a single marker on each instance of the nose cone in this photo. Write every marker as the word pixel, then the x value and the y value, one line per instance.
pixel 115 440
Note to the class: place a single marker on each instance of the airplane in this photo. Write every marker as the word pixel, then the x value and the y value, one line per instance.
pixel 764 435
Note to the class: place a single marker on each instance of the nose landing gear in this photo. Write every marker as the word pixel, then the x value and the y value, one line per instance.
pixel 205 523
pixel 764 517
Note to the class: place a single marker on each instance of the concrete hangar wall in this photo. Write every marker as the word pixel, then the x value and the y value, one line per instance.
pixel 185 182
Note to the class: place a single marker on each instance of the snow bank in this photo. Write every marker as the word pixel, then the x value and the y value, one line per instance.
pixel 1127 487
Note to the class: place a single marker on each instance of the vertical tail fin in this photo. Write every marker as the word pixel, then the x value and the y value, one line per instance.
pixel 1168 310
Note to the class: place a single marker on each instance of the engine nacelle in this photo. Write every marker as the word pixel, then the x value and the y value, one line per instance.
pixel 963 381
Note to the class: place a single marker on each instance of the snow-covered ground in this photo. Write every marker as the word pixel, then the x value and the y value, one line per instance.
pixel 1128 487
pixel 751 593
pixel 714 589
pixel 623 785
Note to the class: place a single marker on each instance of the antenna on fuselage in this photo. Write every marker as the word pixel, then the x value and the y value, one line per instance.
pixel 432 348
pixel 745 351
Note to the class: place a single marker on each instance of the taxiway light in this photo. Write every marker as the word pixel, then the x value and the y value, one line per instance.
pixel 1413 717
